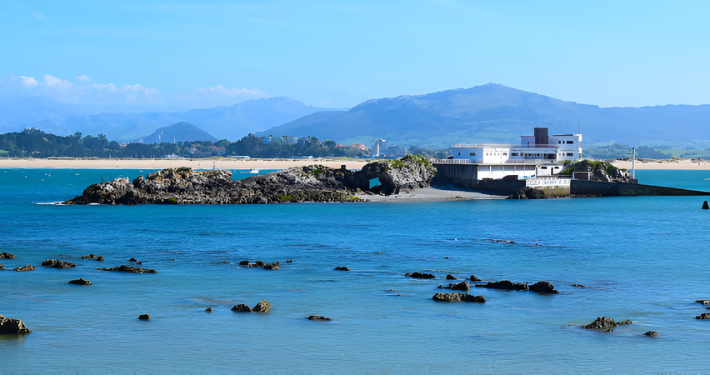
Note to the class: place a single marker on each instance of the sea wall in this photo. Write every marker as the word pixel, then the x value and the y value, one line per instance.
pixel 608 189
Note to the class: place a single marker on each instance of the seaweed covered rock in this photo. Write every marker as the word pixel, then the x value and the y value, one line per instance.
pixel 56 263
pixel 7 256
pixel 602 323
pixel 504 284
pixel 261 307
pixel 458 297
pixel 80 282
pixel 315 183
pixel 463 286
pixel 528 193
pixel 26 268
pixel 319 318
pixel 421 275
pixel 543 287
pixel 94 257
pixel 129 269
pixel 12 326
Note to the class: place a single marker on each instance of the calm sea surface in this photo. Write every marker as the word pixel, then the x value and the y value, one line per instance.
pixel 646 259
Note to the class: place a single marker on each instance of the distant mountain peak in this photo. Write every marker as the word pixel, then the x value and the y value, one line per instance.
pixel 179 132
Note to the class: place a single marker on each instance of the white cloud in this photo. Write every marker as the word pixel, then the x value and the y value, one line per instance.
pixel 111 97
pixel 28 81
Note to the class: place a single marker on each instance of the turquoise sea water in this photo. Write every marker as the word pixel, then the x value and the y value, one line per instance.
pixel 646 259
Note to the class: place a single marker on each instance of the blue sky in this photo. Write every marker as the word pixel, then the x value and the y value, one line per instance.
pixel 340 53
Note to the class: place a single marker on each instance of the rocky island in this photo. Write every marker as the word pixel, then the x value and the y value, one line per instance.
pixel 314 183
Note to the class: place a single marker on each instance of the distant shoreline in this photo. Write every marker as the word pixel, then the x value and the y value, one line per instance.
pixel 173 163
pixel 668 165
pixel 92 163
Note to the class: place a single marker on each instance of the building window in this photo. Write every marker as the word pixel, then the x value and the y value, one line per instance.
pixel 570 154
pixel 559 142
pixel 544 167
pixel 459 154
pixel 570 142
pixel 505 154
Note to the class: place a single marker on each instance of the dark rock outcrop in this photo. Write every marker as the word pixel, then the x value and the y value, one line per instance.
pixel 80 282
pixel 341 268
pixel 474 278
pixel 624 322
pixel 463 286
pixel 12 326
pixel 129 269
pixel 451 277
pixel 7 256
pixel 262 307
pixel 543 287
pixel 319 318
pixel 703 301
pixel 703 316
pixel 651 334
pixel 133 260
pixel 272 266
pixel 504 284
pixel 602 323
pixel 2 267
pixel 25 268
pixel 244 263
pixel 706 206
pixel 144 317
pixel 458 297
pixel 209 309
pixel 314 183
pixel 421 275
pixel 56 263
pixel 528 193
pixel 581 286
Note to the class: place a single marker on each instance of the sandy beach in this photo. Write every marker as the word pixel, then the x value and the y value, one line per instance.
pixel 172 163
pixel 433 194
pixel 667 165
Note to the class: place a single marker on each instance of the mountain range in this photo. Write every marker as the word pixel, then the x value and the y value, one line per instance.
pixel 490 113
pixel 179 132
pixel 494 113
pixel 230 122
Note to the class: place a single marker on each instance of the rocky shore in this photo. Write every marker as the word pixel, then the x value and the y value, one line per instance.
pixel 314 183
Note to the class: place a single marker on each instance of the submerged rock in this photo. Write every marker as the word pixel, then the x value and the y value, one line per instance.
pixel 504 284
pixel 703 316
pixel 25 268
pixel 12 326
pixel 624 322
pixel 144 317
pixel 209 309
pixel 129 269
pixel 2 267
pixel 602 323
pixel 272 266
pixel 80 282
pixel 241 308
pixel 463 286
pixel 474 278
pixel 581 286
pixel 420 275
pixel 341 268
pixel 319 318
pixel 458 297
pixel 451 277
pixel 244 263
pixel 703 301
pixel 133 260
pixel 56 263
pixel 7 256
pixel 651 334
pixel 543 287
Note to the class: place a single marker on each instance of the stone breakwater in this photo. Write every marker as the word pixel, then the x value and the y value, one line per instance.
pixel 313 183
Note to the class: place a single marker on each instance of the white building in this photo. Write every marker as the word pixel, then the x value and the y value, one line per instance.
pixel 537 155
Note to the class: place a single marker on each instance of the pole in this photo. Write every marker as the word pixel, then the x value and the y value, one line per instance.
pixel 633 164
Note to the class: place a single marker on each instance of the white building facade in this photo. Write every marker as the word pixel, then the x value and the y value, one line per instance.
pixel 537 155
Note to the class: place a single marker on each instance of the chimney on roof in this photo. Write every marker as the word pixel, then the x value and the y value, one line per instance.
pixel 541 137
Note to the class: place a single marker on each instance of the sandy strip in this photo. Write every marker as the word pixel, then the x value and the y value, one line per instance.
pixel 433 194
pixel 680 165
pixel 171 163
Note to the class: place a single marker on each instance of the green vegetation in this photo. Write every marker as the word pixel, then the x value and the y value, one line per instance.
pixel 285 198
pixel 36 143
pixel 173 200
pixel 587 165
pixel 421 160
